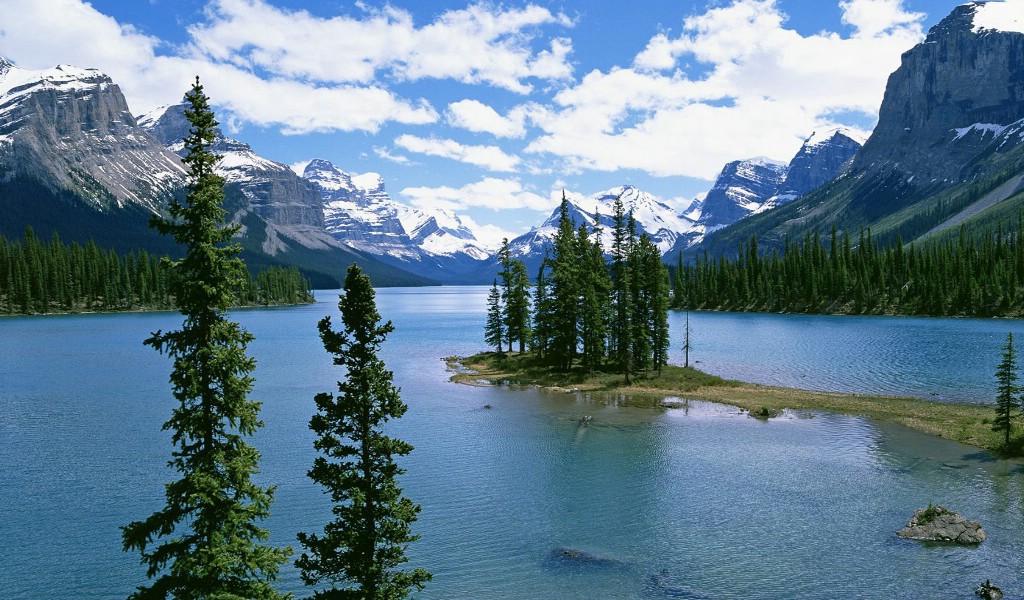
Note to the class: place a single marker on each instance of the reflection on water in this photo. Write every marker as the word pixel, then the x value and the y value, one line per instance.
pixel 523 499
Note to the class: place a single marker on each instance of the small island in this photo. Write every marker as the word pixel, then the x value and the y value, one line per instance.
pixel 964 423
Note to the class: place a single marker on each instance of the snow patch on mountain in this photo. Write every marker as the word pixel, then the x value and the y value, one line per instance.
pixel 984 128
pixel 653 217
pixel 999 16
pixel 359 212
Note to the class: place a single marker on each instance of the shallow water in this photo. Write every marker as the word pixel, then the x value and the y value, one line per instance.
pixel 700 501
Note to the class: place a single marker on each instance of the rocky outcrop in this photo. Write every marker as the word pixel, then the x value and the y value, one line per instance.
pixel 989 591
pixel 71 129
pixel 272 190
pixel 939 524
pixel 740 190
pixel 942 105
pixel 822 157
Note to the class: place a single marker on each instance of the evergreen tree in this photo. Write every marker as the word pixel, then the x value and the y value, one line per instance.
pixel 516 296
pixel 365 544
pixel 1007 402
pixel 595 307
pixel 543 315
pixel 212 543
pixel 622 296
pixel 494 329
pixel 565 290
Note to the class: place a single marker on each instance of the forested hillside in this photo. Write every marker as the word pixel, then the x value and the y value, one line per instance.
pixel 54 277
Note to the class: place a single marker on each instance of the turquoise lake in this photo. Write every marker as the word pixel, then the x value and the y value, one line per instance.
pixel 697 502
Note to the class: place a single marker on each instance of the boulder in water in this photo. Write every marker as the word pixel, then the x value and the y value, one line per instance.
pixel 939 524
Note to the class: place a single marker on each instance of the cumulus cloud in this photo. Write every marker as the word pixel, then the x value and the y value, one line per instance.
pixel 489 192
pixel 872 18
pixel 275 67
pixel 488 157
pixel 478 44
pixel 478 117
pixel 489 235
pixel 762 88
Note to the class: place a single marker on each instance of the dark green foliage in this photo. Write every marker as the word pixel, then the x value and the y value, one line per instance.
pixel 962 276
pixel 1007 401
pixel 494 329
pixel 595 302
pixel 365 544
pixel 605 315
pixel 565 291
pixel 55 277
pixel 205 543
pixel 622 297
pixel 515 294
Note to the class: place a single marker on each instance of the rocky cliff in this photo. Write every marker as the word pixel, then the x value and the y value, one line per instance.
pixel 947 150
pixel 71 130
pixel 947 99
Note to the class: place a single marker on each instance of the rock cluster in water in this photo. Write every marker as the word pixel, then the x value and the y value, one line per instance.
pixel 939 524
pixel 989 591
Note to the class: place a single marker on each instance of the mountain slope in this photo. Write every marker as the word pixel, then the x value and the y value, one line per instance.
pixel 70 129
pixel 75 162
pixel 359 213
pixel 661 222
pixel 948 140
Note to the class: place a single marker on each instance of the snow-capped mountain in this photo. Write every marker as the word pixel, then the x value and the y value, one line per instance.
pixel 289 205
pixel 740 190
pixel 71 129
pixel 823 156
pixel 359 212
pixel 660 221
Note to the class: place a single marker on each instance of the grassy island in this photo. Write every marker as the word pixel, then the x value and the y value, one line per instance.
pixel 965 423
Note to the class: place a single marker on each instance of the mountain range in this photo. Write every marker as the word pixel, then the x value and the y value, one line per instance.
pixel 948 150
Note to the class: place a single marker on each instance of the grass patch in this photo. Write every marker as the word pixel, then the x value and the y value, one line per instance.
pixel 964 423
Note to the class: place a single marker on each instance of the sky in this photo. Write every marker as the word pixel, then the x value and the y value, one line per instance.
pixel 492 109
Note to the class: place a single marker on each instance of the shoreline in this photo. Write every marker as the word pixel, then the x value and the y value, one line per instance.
pixel 968 424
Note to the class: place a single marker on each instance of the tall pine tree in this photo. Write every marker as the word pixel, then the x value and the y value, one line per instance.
pixel 211 544
pixel 494 328
pixel 364 546
pixel 1007 402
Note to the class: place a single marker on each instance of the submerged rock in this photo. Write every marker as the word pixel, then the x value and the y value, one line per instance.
pixel 765 412
pixel 663 585
pixel 939 524
pixel 989 591
pixel 570 557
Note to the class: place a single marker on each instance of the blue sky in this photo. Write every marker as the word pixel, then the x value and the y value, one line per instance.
pixel 491 109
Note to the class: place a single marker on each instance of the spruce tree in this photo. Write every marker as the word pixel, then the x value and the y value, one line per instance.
pixel 363 547
pixel 622 297
pixel 1007 402
pixel 211 543
pixel 494 328
pixel 565 290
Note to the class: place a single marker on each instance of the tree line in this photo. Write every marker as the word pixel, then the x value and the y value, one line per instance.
pixel 964 276
pixel 207 540
pixel 584 308
pixel 46 277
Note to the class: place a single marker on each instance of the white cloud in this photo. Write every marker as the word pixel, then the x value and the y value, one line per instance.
pixel 488 157
pixel 872 18
pixel 384 153
pixel 762 89
pixel 489 192
pixel 478 117
pixel 299 167
pixel 478 44
pixel 489 235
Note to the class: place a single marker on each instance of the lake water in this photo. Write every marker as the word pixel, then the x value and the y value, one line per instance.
pixel 701 502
